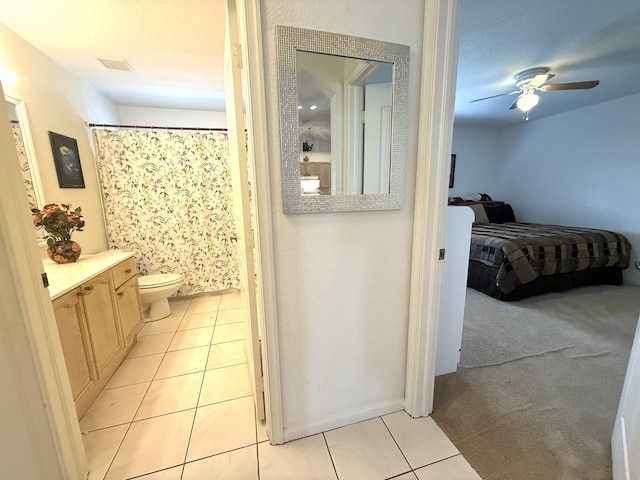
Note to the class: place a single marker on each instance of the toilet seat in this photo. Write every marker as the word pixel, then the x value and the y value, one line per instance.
pixel 158 280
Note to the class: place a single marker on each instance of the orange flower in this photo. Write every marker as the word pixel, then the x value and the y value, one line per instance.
pixel 58 221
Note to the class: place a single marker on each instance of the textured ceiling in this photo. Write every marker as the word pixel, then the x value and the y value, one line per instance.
pixel 577 39
pixel 176 50
pixel 174 46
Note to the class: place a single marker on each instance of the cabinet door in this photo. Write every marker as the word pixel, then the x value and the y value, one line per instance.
pixel 75 342
pixel 312 168
pixel 100 311
pixel 325 175
pixel 129 309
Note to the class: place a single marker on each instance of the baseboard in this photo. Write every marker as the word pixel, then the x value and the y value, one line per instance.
pixel 347 418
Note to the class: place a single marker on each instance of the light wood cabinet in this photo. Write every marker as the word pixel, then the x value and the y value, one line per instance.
pixel 100 309
pixel 74 338
pixel 98 322
pixel 129 309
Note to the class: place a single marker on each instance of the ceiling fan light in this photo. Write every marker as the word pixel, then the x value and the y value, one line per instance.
pixel 527 101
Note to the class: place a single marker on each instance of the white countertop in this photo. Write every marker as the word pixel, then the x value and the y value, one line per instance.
pixel 65 277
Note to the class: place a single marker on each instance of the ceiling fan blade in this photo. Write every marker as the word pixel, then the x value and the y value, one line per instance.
pixel 515 103
pixel 540 79
pixel 494 96
pixel 571 85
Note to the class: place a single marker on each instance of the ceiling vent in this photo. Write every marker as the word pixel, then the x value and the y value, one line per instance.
pixel 116 64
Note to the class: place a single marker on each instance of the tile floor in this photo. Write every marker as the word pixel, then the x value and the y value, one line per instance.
pixel 180 407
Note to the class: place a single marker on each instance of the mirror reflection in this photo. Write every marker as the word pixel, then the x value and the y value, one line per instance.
pixel 343 115
pixel 24 148
pixel 345 120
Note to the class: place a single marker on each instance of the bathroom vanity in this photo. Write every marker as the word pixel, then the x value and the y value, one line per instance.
pixel 97 306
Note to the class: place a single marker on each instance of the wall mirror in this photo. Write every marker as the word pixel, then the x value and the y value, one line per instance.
pixel 24 147
pixel 343 114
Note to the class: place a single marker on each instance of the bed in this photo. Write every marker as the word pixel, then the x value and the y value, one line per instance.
pixel 512 260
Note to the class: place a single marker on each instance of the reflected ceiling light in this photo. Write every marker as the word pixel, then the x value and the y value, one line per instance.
pixel 299 107
pixel 8 76
pixel 313 107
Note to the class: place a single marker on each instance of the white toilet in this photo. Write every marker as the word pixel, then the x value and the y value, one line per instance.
pixel 154 293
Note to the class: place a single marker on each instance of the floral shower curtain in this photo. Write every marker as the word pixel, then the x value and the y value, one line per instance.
pixel 24 163
pixel 167 198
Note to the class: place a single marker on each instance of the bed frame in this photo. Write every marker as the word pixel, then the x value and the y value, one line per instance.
pixel 483 277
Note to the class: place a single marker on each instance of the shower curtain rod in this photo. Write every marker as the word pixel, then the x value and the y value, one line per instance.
pixel 156 127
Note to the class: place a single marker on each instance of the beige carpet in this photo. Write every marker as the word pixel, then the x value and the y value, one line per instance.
pixel 538 385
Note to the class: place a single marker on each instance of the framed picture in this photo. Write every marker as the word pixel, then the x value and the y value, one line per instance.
pixel 452 172
pixel 67 160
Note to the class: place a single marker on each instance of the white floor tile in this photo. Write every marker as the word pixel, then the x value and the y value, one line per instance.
pixel 151 344
pixel 234 315
pixel 227 354
pixel 182 362
pixel 179 305
pixel 420 439
pixel 238 464
pixel 152 444
pixel 135 370
pixel 455 468
pixel 167 474
pixel 222 427
pixel 205 297
pixel 204 304
pixel 100 447
pixel 164 325
pixel 225 383
pixel 198 320
pixel 218 438
pixel 113 406
pixel 406 476
pixel 304 459
pixel 231 301
pixel 170 395
pixel 196 337
pixel 229 332
pixel 365 451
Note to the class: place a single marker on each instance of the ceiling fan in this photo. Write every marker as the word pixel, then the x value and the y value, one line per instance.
pixel 532 79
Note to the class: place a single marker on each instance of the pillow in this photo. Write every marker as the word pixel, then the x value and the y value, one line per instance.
pixel 478 197
pixel 500 213
pixel 479 214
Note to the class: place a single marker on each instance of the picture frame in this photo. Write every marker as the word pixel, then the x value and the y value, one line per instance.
pixel 452 172
pixel 67 161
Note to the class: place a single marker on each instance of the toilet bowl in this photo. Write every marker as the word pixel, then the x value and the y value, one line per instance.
pixel 154 293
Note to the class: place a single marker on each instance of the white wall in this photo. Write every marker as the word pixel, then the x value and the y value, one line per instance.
pixel 477 161
pixel 57 101
pixel 169 117
pixel 343 278
pixel 578 168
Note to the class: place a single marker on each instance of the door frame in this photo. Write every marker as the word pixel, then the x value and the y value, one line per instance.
pixel 437 99
pixel 30 336
pixel 250 31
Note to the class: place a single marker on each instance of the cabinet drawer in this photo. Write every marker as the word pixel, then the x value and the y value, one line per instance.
pixel 124 271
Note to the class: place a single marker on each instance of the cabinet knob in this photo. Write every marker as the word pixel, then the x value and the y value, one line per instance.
pixel 88 288
pixel 121 294
pixel 128 270
pixel 81 294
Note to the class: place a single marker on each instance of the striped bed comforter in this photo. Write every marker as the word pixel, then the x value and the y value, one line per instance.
pixel 525 251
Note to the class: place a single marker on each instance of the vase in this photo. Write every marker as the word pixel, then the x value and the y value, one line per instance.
pixel 64 251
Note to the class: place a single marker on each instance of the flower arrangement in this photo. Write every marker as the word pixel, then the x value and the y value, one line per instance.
pixel 58 221
pixel 306 146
